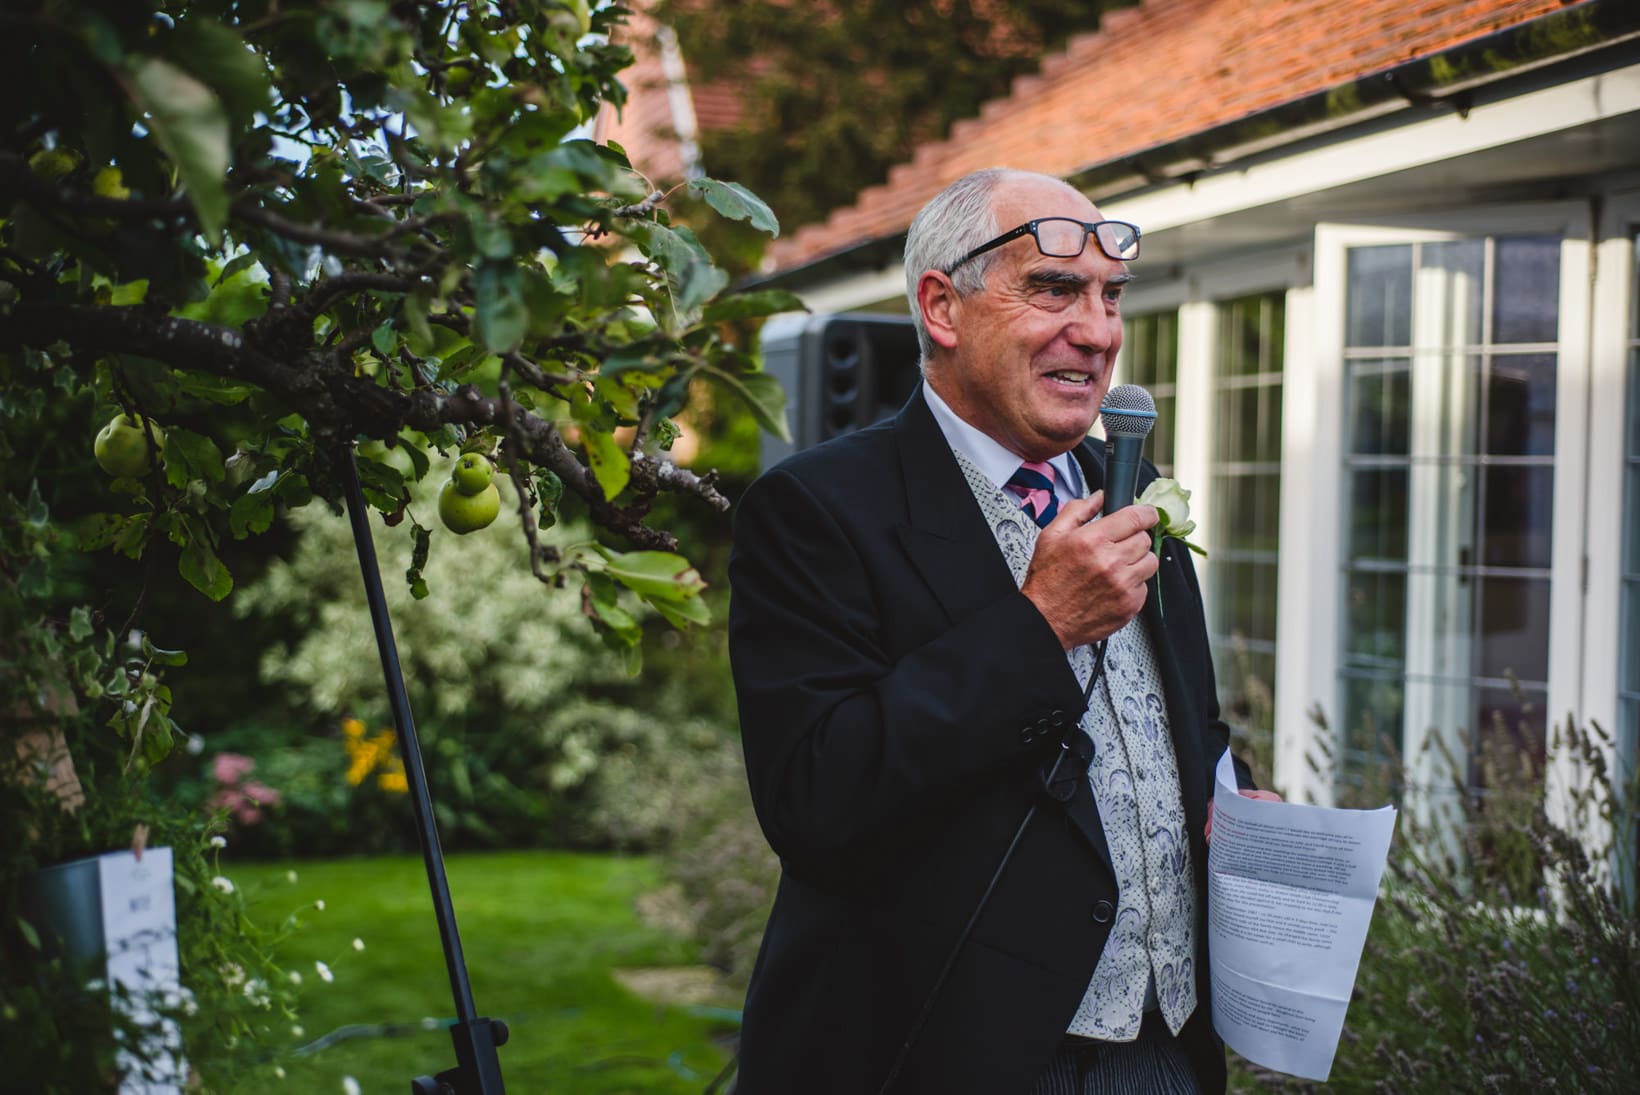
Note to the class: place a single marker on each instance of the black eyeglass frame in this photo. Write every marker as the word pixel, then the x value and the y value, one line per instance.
pixel 1030 228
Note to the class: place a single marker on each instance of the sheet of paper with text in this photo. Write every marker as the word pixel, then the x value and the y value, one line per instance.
pixel 1291 889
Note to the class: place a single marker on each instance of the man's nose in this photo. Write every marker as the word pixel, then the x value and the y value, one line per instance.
pixel 1093 329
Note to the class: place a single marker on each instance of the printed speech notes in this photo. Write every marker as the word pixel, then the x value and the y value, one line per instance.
pixel 1290 895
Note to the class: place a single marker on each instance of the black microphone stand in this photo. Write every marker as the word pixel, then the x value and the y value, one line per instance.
pixel 478 1067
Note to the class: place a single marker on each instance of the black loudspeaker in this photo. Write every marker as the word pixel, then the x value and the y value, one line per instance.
pixel 841 372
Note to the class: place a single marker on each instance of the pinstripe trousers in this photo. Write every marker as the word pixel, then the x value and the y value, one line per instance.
pixel 1152 1064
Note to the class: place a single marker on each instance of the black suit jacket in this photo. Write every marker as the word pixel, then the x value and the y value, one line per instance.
pixel 899 700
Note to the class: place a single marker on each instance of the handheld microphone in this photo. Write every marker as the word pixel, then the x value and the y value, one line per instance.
pixel 1127 414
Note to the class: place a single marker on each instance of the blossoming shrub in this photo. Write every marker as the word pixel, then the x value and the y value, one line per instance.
pixel 531 731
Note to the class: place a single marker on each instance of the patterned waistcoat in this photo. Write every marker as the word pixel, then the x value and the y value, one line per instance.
pixel 1135 782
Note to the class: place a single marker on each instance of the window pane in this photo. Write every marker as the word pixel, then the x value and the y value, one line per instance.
pixel 1460 268
pixel 1519 509
pixel 1514 628
pixel 1248 508
pixel 1246 680
pixel 1381 409
pixel 1634 397
pixel 1372 725
pixel 1631 508
pixel 1376 618
pixel 1520 406
pixel 1526 296
pixel 1378 514
pixel 1244 595
pixel 1378 311
pixel 1244 338
pixel 1150 359
pixel 1629 675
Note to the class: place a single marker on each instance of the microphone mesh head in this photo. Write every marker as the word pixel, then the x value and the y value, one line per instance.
pixel 1128 410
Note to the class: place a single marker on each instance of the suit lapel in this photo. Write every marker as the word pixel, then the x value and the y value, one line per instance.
pixel 945 534
pixel 1179 679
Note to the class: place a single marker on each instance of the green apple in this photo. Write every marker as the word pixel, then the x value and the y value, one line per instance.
pixel 54 163
pixel 109 183
pixel 464 513
pixel 472 473
pixel 122 447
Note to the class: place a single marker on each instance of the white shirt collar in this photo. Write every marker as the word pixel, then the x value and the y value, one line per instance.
pixel 988 455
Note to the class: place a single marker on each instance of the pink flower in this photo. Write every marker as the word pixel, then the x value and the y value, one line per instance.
pixel 244 801
pixel 230 768
pixel 261 793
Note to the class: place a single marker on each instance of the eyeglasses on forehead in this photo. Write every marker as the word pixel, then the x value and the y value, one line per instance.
pixel 1066 237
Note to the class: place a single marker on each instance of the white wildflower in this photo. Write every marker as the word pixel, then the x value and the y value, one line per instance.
pixel 219 842
pixel 324 972
pixel 320 904
pixel 350 1086
pixel 223 884
pixel 358 944
pixel 296 977
pixel 290 876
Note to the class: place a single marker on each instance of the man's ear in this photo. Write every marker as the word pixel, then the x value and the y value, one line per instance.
pixel 940 304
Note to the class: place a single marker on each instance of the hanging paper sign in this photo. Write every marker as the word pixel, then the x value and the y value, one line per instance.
pixel 139 921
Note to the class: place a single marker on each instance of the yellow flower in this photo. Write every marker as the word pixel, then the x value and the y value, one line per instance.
pixel 372 754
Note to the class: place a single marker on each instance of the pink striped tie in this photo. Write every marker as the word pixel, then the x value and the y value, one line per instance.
pixel 1033 483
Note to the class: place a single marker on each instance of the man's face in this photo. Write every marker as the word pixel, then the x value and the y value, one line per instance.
pixel 1030 356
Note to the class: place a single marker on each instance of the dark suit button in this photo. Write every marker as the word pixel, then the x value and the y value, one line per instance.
pixel 1027 735
pixel 1043 723
pixel 1057 718
pixel 1102 912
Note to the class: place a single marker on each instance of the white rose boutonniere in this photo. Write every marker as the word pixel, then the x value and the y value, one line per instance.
pixel 1172 504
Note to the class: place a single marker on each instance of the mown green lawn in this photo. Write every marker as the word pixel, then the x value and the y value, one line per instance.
pixel 542 932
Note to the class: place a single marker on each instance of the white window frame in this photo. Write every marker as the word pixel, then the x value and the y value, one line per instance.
pixel 1309 628
pixel 1596 663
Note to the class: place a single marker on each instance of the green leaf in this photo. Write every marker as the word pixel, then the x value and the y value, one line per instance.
pixel 491 238
pixel 737 203
pixel 502 315
pixel 680 614
pixel 217 56
pixel 98 531
pixel 30 936
pixel 659 575
pixel 161 655
pixel 200 566
pixel 133 537
pixel 235 265
pixel 549 489
pixel 609 461
pixel 384 339
pixel 250 514
pixel 421 540
pixel 763 394
pixel 187 119
pixel 214 388
pixel 689 270
pixel 763 302
pixel 189 455
pixel 79 623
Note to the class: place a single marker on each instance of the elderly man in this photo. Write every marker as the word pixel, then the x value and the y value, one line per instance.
pixel 932 632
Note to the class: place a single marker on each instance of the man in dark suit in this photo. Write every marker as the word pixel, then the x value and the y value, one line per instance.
pixel 927 615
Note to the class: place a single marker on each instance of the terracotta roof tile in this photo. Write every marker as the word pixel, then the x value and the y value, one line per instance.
pixel 1157 72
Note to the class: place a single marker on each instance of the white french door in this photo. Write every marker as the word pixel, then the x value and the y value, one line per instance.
pixel 1449 366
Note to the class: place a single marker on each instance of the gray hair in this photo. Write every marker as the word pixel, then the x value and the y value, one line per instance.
pixel 957 220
